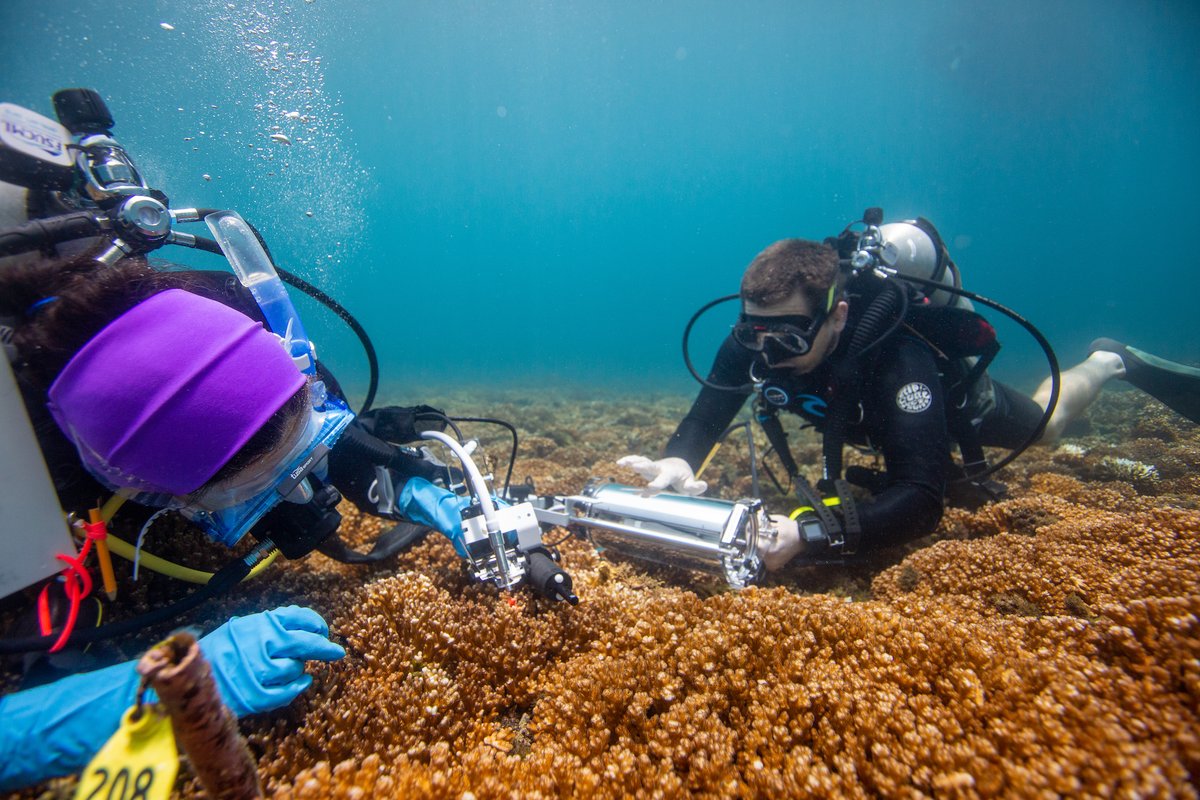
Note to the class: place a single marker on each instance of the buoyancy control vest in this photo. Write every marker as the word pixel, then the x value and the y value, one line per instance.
pixel 961 340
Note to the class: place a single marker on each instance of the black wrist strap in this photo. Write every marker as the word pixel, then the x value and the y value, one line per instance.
pixel 849 509
pixel 833 527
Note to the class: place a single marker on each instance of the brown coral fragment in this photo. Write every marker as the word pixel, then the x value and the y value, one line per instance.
pixel 204 727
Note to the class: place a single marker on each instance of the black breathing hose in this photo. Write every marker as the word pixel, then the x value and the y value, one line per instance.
pixel 512 458
pixel 222 581
pixel 348 318
pixel 745 388
pixel 886 309
pixel 1051 359
pixel 390 543
pixel 43 234
pixel 877 313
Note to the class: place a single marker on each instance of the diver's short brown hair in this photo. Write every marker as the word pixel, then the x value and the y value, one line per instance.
pixel 789 265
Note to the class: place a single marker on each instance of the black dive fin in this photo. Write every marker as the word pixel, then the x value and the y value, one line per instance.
pixel 1174 385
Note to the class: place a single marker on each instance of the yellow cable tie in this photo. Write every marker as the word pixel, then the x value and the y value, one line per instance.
pixel 799 511
pixel 708 459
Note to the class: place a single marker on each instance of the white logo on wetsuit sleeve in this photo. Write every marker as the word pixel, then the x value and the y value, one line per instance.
pixel 914 398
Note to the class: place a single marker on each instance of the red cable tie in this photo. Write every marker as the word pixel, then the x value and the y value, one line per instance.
pixel 45 623
pixel 95 530
pixel 73 575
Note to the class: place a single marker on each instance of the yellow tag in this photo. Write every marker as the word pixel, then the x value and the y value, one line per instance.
pixel 139 762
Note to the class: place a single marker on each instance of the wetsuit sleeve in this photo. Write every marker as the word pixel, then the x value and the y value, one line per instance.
pixel 713 409
pixel 904 399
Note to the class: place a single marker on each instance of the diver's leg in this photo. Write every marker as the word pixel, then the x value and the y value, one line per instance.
pixel 1174 385
pixel 1078 387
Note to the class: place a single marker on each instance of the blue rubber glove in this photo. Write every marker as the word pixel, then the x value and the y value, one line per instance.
pixel 55 729
pixel 258 663
pixel 426 504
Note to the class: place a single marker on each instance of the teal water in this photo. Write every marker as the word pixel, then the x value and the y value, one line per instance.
pixel 541 193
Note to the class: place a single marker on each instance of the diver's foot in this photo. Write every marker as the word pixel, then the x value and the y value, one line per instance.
pixel 1174 385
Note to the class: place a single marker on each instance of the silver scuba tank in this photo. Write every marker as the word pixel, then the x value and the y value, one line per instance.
pixel 919 252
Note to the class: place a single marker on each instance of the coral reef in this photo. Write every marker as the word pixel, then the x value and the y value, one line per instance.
pixel 1045 645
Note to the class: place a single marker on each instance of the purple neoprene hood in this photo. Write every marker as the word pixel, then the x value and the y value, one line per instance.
pixel 164 395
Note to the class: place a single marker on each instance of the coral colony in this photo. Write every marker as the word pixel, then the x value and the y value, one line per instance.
pixel 1045 645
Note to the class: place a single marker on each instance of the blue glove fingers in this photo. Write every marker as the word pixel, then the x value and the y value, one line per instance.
pixel 305 646
pixel 299 618
pixel 258 660
pixel 426 504
pixel 280 673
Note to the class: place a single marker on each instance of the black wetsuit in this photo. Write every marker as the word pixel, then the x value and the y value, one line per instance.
pixel 900 413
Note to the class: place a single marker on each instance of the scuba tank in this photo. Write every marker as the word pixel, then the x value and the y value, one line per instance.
pixel 899 270
pixel 917 251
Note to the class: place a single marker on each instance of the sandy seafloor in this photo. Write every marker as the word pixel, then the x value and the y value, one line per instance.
pixel 1047 645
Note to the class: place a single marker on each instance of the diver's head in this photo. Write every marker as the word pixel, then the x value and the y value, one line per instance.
pixel 163 397
pixel 792 306
pixel 168 395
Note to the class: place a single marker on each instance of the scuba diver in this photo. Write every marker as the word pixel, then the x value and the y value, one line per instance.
pixel 170 389
pixel 870 339
pixel 145 382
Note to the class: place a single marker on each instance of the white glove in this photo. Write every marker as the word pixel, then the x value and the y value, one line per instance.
pixel 780 543
pixel 673 473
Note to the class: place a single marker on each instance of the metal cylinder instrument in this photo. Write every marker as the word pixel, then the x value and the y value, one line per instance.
pixel 699 533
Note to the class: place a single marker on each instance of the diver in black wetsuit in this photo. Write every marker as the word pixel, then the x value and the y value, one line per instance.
pixel 798 313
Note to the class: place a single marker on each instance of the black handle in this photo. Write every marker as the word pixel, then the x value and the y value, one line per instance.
pixel 43 234
pixel 82 111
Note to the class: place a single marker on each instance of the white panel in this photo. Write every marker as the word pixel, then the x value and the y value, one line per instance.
pixel 32 526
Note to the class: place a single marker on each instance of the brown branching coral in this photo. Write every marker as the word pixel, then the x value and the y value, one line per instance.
pixel 767 693
pixel 1104 547
pixel 653 688
pixel 928 690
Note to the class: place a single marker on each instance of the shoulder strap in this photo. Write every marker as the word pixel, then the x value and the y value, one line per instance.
pixel 768 418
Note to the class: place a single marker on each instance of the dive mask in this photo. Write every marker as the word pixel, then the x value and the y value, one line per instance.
pixel 227 510
pixel 782 336
pixel 777 337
